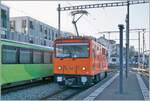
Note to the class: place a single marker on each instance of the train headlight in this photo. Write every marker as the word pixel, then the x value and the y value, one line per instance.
pixel 83 68
pixel 59 67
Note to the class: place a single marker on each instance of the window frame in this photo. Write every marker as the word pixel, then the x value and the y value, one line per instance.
pixel 71 43
pixel 50 58
pixel 10 47
pixel 31 55
pixel 42 59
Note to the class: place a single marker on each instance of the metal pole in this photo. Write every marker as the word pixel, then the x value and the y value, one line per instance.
pixel 0 40
pixel 59 20
pixel 109 48
pixel 75 27
pixel 127 39
pixel 0 21
pixel 139 51
pixel 143 49
pixel 149 43
pixel 121 27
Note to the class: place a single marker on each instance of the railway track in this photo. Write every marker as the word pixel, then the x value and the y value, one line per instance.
pixel 66 93
pixel 141 71
pixel 23 86
pixel 41 91
pixel 145 73
pixel 63 94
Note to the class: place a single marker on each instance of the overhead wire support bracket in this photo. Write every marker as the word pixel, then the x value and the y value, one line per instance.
pixel 114 4
pixel 138 29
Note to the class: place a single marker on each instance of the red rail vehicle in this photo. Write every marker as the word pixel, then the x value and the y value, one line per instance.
pixel 79 61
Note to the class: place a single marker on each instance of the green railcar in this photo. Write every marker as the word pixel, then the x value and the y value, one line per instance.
pixel 21 61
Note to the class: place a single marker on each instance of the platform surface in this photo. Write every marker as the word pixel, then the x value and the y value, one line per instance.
pixel 131 91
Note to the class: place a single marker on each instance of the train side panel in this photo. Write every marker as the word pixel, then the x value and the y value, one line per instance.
pixel 99 59
pixel 14 68
pixel 20 72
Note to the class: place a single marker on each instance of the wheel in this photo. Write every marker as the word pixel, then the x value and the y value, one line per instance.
pixel 105 74
pixel 96 78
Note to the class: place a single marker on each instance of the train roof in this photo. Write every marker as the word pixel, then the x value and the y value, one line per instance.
pixel 79 38
pixel 75 38
pixel 25 45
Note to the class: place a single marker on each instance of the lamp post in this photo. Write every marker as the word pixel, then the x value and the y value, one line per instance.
pixel 0 32
pixel 127 39
pixel 121 27
pixel 139 51
pixel 58 19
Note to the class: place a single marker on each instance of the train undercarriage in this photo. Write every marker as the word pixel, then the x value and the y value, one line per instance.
pixel 79 80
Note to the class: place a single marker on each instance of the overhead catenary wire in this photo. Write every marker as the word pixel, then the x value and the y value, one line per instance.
pixel 89 21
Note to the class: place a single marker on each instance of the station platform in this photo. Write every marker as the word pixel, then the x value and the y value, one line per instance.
pixel 134 88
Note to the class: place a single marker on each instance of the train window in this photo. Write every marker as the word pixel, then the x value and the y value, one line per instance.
pixel 51 57
pixel 94 51
pixel 37 57
pixel 47 57
pixel 8 52
pixel 72 50
pixel 103 51
pixel 25 56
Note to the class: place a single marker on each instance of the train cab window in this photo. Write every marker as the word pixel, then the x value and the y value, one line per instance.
pixel 9 55
pixel 47 57
pixel 72 50
pixel 25 56
pixel 37 57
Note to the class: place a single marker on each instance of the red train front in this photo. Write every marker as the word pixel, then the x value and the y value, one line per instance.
pixel 79 61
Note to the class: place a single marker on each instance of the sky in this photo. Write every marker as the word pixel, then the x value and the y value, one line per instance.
pixel 98 20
